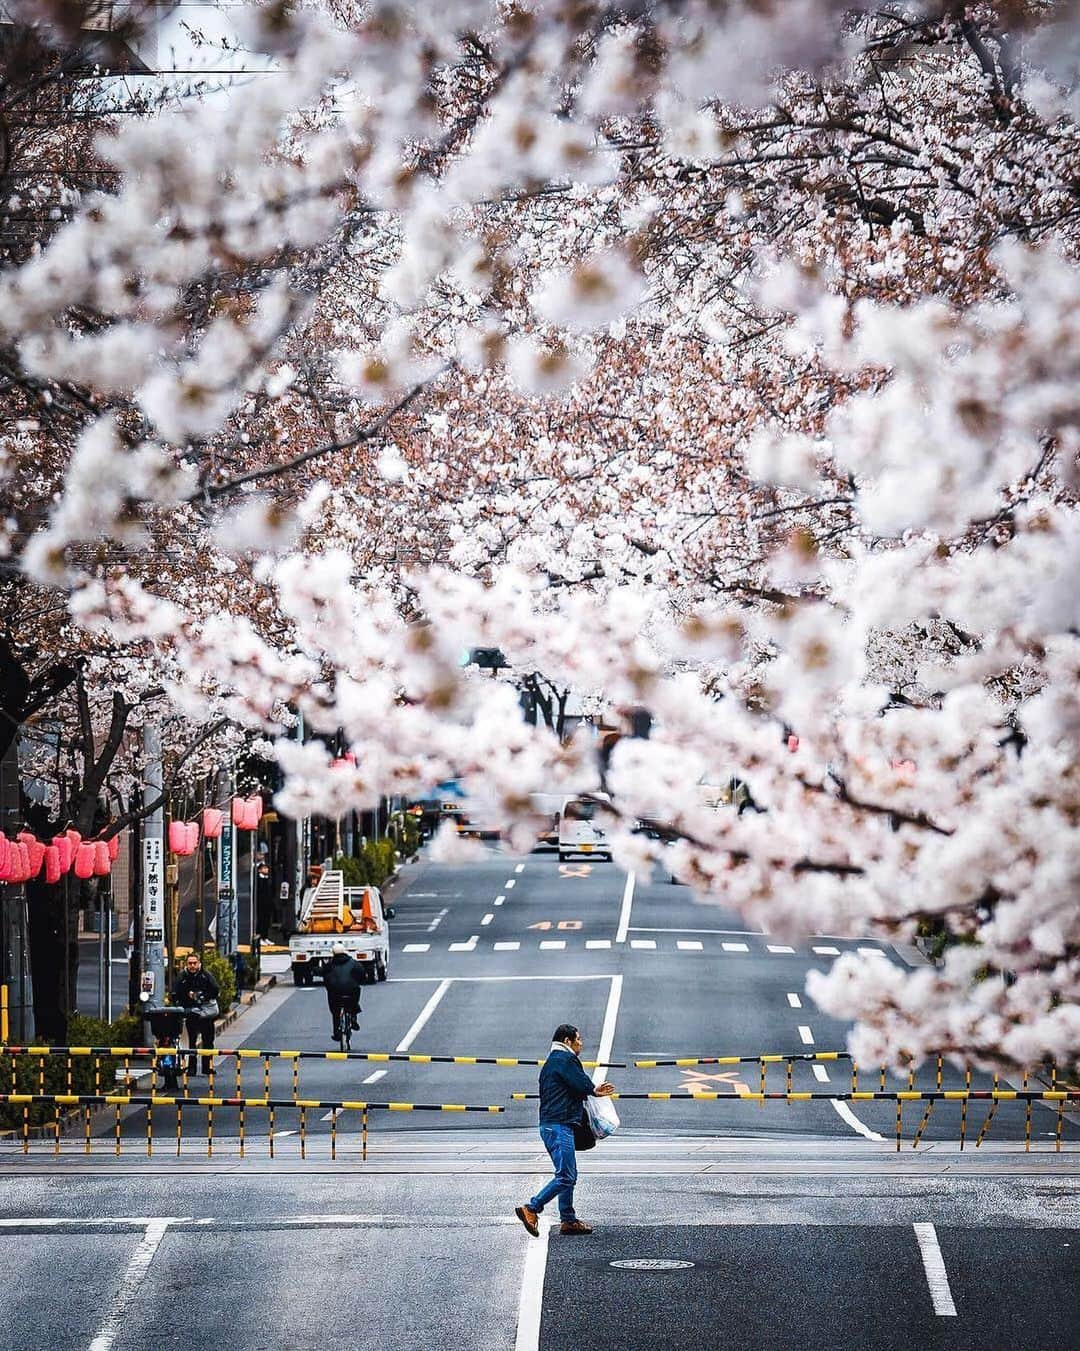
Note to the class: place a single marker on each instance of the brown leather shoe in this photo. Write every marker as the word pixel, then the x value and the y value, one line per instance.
pixel 575 1227
pixel 527 1216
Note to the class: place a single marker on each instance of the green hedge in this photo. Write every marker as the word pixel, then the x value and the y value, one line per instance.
pixel 372 864
pixel 88 1074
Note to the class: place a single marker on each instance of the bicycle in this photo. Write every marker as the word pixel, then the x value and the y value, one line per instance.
pixel 345 1017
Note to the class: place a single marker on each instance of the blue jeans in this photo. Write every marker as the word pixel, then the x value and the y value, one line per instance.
pixel 559 1143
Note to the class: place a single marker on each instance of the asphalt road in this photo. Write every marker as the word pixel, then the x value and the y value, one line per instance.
pixel 487 959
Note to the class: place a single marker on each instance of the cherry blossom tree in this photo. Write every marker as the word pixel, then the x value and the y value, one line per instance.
pixel 716 361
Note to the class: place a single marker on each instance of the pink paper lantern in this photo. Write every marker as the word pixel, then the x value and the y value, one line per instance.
pixel 247 812
pixel 212 821
pixel 5 858
pixel 36 850
pixel 65 850
pixel 84 861
pixel 793 743
pixel 113 846
pixel 183 837
pixel 74 837
pixel 102 862
pixel 192 828
pixel 52 863
pixel 238 809
pixel 25 871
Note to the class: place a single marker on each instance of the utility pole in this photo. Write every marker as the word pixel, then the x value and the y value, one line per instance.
pixel 227 938
pixel 153 988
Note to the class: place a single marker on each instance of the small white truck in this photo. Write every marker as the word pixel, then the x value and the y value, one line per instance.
pixel 334 913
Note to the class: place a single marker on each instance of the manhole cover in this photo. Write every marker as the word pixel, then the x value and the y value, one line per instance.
pixel 650 1264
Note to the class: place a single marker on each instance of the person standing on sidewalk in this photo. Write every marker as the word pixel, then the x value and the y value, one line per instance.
pixel 197 991
pixel 564 1086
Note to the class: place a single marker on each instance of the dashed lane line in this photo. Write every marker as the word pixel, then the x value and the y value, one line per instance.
pixel 499 900
pixel 520 868
pixel 646 944
pixel 416 947
pixel 827 952
pixel 487 918
pixel 553 944
pixel 735 947
pixel 510 882
pixel 506 947
pixel 468 946
pixel 937 1278
pixel 794 1001
pixel 690 945
pixel 806 1035
pixel 821 1074
pixel 779 947
pixel 597 943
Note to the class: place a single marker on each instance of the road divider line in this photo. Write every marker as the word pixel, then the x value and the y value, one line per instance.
pixel 735 947
pixel 648 944
pixel 607 1032
pixel 416 947
pixel 806 1034
pixel 553 944
pixel 422 1017
pixel 506 947
pixel 499 900
pixel 937 1278
pixel 487 918
pixel 510 882
pixel 531 1297
pixel 596 943
pixel 845 1112
pixel 520 868
pixel 689 945
pixel 794 1001
pixel 137 1267
pixel 779 947
pixel 624 913
pixel 827 952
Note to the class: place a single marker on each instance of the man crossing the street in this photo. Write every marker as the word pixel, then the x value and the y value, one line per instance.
pixel 564 1086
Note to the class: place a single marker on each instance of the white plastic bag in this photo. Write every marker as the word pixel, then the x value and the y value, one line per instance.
pixel 603 1117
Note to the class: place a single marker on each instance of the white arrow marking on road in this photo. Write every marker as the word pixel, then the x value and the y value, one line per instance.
pixel 129 1286
pixel 937 1278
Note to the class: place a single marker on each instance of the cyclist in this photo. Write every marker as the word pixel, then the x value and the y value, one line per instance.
pixel 343 978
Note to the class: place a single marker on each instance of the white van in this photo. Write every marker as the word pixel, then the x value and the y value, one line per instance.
pixel 580 831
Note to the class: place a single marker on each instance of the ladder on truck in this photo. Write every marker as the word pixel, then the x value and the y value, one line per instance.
pixel 327 911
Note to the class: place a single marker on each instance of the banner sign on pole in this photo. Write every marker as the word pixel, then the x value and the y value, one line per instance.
pixel 153 889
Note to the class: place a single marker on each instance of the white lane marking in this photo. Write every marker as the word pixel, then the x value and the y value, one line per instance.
pixel 806 1034
pixel 510 882
pixel 648 943
pixel 624 913
pixel 427 980
pixel 553 944
pixel 422 1017
pixel 937 1278
pixel 499 900
pixel 689 945
pixel 520 868
pixel 137 1267
pixel 416 947
pixel 843 1110
pixel 598 942
pixel 506 947
pixel 374 1077
pixel 827 952
pixel 531 1298
pixel 735 947
pixel 468 946
pixel 870 952
pixel 778 947
pixel 437 920
pixel 487 918
pixel 794 1001
pixel 821 1074
pixel 730 933
pixel 607 1032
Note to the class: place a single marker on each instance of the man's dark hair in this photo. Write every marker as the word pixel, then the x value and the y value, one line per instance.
pixel 565 1032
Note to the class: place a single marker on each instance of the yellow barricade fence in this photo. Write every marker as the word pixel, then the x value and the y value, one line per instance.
pixel 148 1101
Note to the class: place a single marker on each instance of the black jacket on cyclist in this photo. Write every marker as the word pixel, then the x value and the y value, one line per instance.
pixel 343 977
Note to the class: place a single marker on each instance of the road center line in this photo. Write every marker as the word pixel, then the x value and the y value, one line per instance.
pixel 937 1278
pixel 437 920
pixel 806 1034
pixel 487 918
pixel 424 1014
pixel 607 1032
pixel 531 1299
pixel 137 1268
pixel 624 913
pixel 794 1001
pixel 510 882
pixel 520 868
pixel 844 1111
pixel 499 900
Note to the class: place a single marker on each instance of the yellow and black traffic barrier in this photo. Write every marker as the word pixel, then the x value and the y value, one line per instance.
pixel 149 1101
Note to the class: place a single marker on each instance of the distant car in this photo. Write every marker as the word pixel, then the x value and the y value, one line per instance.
pixel 547 808
pixel 579 830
